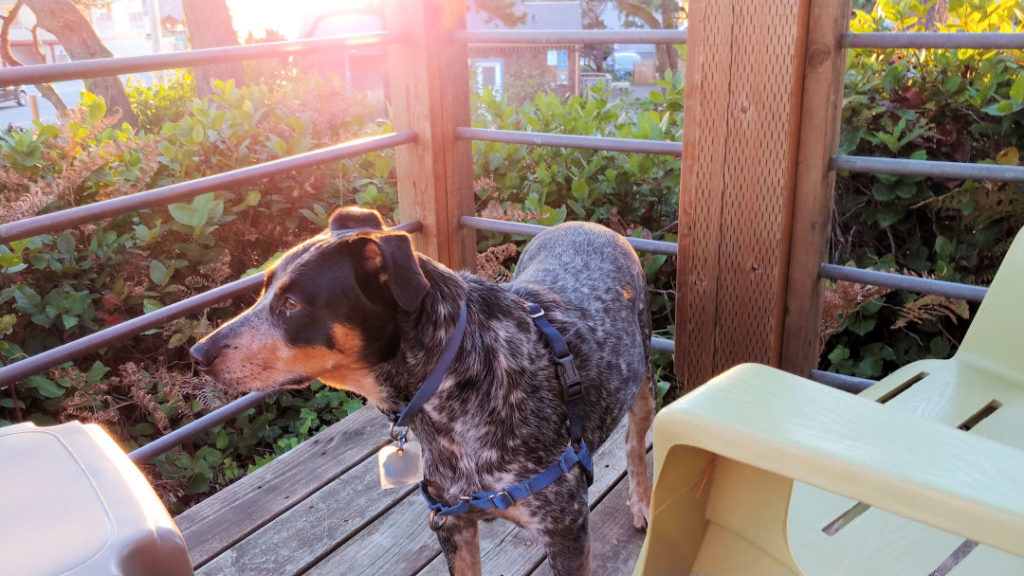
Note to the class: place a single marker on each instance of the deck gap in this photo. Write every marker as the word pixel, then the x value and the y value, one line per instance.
pixel 844 519
pixel 292 504
pixel 955 558
pixel 354 532
pixel 980 415
pixel 902 387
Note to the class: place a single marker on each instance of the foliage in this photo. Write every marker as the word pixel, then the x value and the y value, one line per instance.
pixel 634 194
pixel 162 102
pixel 959 106
pixel 58 287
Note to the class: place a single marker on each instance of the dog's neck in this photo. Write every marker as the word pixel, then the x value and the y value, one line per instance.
pixel 422 335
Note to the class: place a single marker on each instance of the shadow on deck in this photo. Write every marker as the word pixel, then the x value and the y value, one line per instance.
pixel 319 509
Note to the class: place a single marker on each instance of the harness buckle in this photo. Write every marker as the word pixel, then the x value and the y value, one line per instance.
pixel 501 500
pixel 537 314
pixel 569 376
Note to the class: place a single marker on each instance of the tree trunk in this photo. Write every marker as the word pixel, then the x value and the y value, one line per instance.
pixel 668 58
pixel 209 26
pixel 45 89
pixel 76 35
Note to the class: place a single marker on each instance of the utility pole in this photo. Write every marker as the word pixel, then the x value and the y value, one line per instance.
pixel 154 24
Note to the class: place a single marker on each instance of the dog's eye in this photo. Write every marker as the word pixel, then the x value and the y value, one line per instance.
pixel 290 304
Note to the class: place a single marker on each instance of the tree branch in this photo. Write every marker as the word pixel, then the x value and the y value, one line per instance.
pixel 45 89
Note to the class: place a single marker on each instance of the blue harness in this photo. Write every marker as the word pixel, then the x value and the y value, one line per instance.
pixel 576 453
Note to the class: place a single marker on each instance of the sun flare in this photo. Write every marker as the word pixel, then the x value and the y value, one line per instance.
pixel 293 19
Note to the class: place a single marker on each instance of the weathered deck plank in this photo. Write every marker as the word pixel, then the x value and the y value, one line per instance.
pixel 319 510
pixel 614 542
pixel 232 514
pixel 508 550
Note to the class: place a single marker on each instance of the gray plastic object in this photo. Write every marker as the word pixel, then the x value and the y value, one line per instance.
pixel 71 502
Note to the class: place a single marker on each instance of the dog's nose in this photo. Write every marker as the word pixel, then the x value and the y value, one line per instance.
pixel 204 354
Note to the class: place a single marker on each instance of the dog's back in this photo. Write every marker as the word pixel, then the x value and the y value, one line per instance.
pixel 603 311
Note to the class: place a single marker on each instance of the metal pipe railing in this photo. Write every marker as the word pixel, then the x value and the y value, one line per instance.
pixel 524 229
pixel 198 426
pixel 937 40
pixel 93 342
pixel 929 168
pixel 573 36
pixel 663 345
pixel 851 384
pixel 100 67
pixel 185 190
pixel 901 282
pixel 601 143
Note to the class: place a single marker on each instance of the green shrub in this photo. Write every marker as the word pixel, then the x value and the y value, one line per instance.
pixel 958 106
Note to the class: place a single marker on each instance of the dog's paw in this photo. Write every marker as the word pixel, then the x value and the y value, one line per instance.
pixel 641 512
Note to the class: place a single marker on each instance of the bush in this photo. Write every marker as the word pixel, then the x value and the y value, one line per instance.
pixel 59 287
pixel 959 106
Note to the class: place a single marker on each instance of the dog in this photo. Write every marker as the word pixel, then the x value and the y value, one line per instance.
pixel 357 308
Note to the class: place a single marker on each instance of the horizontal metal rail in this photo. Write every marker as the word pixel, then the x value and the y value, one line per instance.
pixel 938 40
pixel 108 336
pixel 842 381
pixel 573 36
pixel 100 67
pixel 186 190
pixel 902 282
pixel 524 229
pixel 929 168
pixel 631 145
pixel 663 345
pixel 199 426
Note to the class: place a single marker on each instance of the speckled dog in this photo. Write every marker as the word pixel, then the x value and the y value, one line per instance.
pixel 358 309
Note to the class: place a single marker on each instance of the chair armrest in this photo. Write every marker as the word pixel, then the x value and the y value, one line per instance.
pixel 953 480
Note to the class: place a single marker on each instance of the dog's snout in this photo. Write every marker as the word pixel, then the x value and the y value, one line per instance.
pixel 204 353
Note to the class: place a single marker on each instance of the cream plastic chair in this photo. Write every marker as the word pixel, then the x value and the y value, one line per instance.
pixel 762 472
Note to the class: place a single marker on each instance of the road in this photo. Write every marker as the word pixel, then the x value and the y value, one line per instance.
pixel 70 91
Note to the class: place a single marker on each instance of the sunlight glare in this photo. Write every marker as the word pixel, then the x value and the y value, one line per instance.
pixel 291 19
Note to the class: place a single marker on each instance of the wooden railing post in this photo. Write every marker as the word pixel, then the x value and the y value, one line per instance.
pixel 429 93
pixel 744 89
pixel 821 115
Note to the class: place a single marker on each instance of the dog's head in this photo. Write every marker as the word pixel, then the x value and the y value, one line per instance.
pixel 327 311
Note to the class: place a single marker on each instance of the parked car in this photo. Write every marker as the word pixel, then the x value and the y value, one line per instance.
pixel 16 93
pixel 621 64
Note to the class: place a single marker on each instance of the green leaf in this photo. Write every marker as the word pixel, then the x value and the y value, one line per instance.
pixel 69 321
pixel 158 273
pixel 47 388
pixel 838 354
pixel 97 371
pixel 96 110
pixel 863 326
pixel 183 213
pixel 951 84
pixel 8 260
pixel 150 305
pixel 1017 89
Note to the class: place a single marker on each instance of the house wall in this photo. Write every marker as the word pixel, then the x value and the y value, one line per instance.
pixel 526 69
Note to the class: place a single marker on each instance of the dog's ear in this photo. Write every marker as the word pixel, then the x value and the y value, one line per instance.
pixel 390 259
pixel 355 218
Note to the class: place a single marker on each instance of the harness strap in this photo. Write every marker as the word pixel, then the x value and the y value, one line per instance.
pixel 504 499
pixel 576 453
pixel 567 374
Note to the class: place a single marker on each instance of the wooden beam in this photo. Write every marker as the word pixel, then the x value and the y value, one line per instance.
pixel 824 70
pixel 429 89
pixel 744 80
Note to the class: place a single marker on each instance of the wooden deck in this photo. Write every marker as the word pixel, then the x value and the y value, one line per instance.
pixel 319 510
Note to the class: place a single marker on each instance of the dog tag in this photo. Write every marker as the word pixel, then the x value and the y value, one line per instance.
pixel 400 465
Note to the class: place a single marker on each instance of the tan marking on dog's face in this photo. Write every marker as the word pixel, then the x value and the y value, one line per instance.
pixel 259 359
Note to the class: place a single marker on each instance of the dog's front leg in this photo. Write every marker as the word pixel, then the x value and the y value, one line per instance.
pixel 568 544
pixel 460 543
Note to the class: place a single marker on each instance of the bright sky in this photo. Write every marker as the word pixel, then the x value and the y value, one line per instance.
pixel 287 18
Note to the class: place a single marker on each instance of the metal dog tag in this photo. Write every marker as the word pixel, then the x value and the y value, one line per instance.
pixel 400 465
